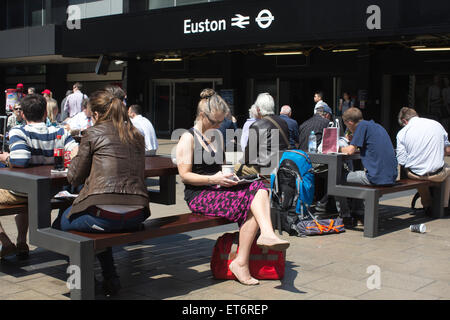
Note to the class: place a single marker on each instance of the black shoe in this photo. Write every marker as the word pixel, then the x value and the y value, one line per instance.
pixel 111 286
pixel 349 222
pixel 428 211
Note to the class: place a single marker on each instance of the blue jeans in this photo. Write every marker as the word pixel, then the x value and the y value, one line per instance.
pixel 85 222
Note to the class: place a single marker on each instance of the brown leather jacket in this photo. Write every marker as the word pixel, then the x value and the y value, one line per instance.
pixel 112 172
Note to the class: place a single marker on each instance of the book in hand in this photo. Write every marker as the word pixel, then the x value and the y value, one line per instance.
pixel 247 179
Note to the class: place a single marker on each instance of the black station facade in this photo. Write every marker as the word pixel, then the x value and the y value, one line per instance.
pixel 386 54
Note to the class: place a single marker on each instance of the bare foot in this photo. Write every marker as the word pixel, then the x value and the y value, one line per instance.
pixel 242 274
pixel 274 243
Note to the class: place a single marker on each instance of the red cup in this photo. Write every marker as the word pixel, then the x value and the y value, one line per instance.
pixel 67 159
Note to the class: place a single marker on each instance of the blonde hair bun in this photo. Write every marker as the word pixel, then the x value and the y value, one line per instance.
pixel 207 93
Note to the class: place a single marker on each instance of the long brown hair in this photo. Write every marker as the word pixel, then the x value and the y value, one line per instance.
pixel 110 108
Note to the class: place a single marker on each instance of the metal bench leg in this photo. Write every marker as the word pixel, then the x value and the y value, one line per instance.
pixel 371 216
pixel 82 262
pixel 437 208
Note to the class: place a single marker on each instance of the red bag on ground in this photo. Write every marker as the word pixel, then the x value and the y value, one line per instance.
pixel 264 264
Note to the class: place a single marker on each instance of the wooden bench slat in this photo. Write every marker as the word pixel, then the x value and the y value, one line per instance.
pixel 155 228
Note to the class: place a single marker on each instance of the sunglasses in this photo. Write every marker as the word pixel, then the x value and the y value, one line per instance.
pixel 17 109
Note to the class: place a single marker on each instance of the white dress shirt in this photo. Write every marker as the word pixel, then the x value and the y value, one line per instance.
pixel 80 122
pixel 146 128
pixel 421 144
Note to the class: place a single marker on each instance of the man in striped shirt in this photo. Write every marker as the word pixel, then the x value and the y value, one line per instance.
pixel 30 144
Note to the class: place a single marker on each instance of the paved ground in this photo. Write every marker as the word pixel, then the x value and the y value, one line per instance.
pixel 410 265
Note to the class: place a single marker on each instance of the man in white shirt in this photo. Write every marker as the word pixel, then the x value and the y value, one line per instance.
pixel 145 127
pixel 318 99
pixel 74 101
pixel 421 147
pixel 80 121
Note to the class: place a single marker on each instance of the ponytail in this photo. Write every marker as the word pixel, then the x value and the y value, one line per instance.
pixel 110 108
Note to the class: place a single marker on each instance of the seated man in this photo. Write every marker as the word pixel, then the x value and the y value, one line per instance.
pixel 377 154
pixel 30 144
pixel 145 127
pixel 320 120
pixel 81 121
pixel 262 148
pixel 285 114
pixel 421 147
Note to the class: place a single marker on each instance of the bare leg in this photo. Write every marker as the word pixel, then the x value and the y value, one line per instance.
pixel 22 227
pixel 240 265
pixel 261 210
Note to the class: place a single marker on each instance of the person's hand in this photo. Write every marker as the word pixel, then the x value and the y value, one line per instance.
pixel 224 180
pixel 4 156
pixel 74 152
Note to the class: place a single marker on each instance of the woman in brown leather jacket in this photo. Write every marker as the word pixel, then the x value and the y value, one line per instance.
pixel 110 163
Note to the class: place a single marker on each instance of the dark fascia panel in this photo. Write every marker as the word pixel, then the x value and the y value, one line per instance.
pixel 28 42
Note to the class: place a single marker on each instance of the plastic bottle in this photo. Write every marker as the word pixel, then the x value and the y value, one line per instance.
pixel 58 153
pixel 312 143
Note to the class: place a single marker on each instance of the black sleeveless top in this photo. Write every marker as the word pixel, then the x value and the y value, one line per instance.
pixel 203 163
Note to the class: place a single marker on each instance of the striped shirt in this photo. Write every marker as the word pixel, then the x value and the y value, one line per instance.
pixel 33 144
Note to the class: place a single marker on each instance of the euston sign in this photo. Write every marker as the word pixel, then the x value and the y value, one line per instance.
pixel 264 20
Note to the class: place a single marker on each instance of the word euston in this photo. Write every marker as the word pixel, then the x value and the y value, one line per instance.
pixel 204 26
pixel 264 21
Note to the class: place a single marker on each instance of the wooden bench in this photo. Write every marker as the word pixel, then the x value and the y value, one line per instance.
pixel 154 228
pixel 86 245
pixel 372 194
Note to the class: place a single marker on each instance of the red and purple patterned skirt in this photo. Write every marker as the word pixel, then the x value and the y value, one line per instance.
pixel 230 203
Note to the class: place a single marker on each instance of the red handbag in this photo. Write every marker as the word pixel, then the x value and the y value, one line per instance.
pixel 264 264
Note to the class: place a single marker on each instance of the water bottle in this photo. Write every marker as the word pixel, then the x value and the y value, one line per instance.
pixel 312 143
pixel 58 153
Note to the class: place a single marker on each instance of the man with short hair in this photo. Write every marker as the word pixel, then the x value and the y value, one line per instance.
pixel 318 99
pixel 31 144
pixel 145 127
pixel 74 101
pixel 285 114
pixel 31 90
pixel 377 155
pixel 422 145
pixel 319 121
pixel 81 121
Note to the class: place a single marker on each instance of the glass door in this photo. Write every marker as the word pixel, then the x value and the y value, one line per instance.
pixel 163 108
pixel 175 103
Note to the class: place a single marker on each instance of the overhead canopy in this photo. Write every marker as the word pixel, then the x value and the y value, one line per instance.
pixel 233 24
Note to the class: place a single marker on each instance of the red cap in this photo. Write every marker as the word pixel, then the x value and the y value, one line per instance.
pixel 19 85
pixel 47 92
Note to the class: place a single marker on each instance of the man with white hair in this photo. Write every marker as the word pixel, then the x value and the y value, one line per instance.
pixel 285 114
pixel 261 147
